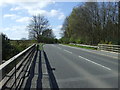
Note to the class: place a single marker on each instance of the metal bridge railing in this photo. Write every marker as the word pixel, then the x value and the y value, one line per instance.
pixel 14 70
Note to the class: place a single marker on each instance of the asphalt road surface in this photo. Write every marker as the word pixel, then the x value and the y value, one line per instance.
pixel 81 68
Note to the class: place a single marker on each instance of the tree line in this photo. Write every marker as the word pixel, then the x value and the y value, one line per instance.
pixel 13 47
pixel 92 23
pixel 8 50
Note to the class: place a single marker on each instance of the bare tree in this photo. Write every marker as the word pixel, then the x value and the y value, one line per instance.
pixel 37 25
pixel 48 33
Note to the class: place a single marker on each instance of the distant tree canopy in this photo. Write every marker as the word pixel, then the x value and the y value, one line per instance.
pixel 92 23
pixel 7 49
pixel 39 29
pixel 23 39
pixel 13 47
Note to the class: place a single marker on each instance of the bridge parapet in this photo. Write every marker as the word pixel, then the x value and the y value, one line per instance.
pixel 14 70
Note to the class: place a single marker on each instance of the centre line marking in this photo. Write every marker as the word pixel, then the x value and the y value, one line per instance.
pixel 59 48
pixel 94 63
pixel 52 45
pixel 68 51
pixel 91 51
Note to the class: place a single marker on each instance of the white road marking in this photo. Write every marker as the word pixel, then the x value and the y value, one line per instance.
pixel 90 51
pixel 94 63
pixel 52 45
pixel 59 47
pixel 68 51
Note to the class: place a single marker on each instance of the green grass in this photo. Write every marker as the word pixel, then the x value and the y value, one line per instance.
pixel 41 46
pixel 81 46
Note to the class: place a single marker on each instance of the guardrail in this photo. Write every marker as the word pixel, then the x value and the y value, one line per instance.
pixel 84 45
pixel 14 70
pixel 106 47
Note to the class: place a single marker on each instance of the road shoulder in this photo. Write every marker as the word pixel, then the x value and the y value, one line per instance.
pixel 104 53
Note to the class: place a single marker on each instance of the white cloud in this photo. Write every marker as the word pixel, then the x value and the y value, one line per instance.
pixel 35 8
pixel 57 13
pixel 37 11
pixel 43 2
pixel 61 17
pixel 23 19
pixel 18 32
pixel 52 13
pixel 15 32
pixel 57 31
pixel 59 27
pixel 15 9
pixel 13 16
pixel 29 4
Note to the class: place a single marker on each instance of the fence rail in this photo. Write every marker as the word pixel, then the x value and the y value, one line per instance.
pixel 15 68
pixel 106 47
pixel 84 45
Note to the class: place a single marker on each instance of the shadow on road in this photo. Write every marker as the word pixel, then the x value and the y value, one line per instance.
pixel 53 82
pixel 32 74
pixel 39 80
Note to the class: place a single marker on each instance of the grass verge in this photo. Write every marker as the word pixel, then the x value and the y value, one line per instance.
pixel 41 46
pixel 81 46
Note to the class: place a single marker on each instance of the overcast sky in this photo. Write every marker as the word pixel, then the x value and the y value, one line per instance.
pixel 15 16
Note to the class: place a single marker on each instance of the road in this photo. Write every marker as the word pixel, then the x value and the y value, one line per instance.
pixel 81 68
